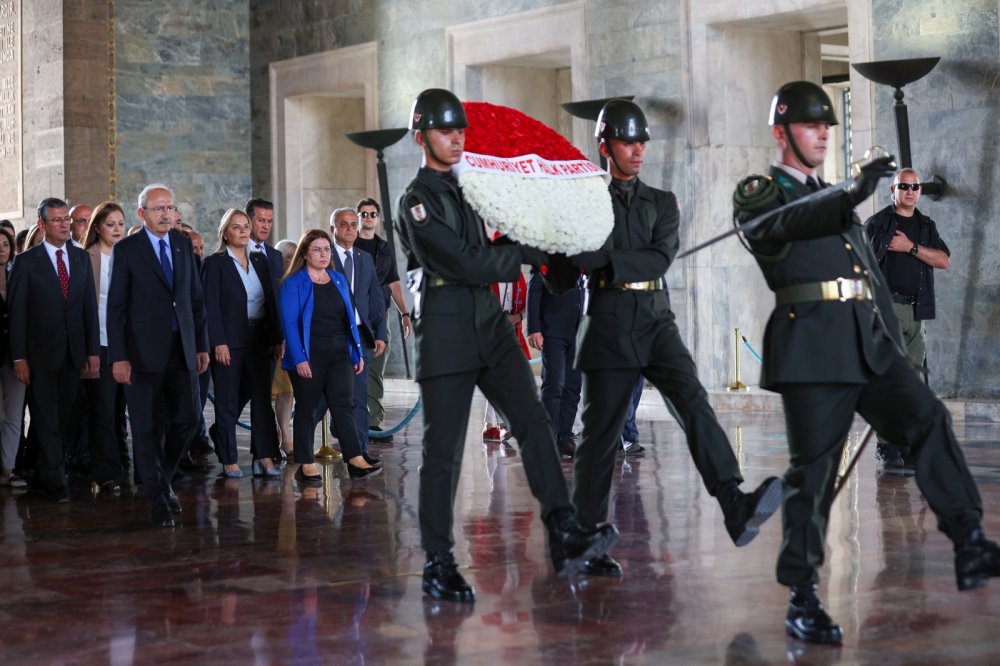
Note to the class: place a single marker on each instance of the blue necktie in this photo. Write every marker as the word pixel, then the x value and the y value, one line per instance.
pixel 165 263
pixel 169 272
pixel 349 270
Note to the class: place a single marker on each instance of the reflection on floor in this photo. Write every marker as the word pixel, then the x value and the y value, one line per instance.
pixel 266 572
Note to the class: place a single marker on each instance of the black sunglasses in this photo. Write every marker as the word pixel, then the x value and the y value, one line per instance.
pixel 908 186
pixel 365 213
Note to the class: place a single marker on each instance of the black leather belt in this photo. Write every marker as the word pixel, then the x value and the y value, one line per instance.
pixel 841 289
pixel 903 300
pixel 646 285
pixel 256 323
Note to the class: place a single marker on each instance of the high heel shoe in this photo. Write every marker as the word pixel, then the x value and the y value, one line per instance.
pixel 232 474
pixel 357 473
pixel 259 470
pixel 371 460
pixel 307 480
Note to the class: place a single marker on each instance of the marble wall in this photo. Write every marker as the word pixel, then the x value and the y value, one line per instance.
pixel 183 104
pixel 954 115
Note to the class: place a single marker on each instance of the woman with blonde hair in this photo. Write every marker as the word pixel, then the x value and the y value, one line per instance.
pixel 244 335
pixel 322 353
pixel 105 395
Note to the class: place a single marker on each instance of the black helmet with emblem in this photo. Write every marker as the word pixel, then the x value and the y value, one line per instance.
pixel 437 108
pixel 623 120
pixel 801 102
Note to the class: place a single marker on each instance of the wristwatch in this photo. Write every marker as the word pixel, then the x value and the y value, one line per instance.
pixel 915 249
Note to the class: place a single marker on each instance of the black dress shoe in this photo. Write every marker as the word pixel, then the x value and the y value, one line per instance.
pixel 306 480
pixel 357 473
pixel 893 459
pixel 381 439
pixel 567 447
pixel 173 503
pixel 571 545
pixel 59 495
pixel 807 620
pixel 110 488
pixel 161 516
pixel 976 560
pixel 371 460
pixel 442 580
pixel 745 513
pixel 605 565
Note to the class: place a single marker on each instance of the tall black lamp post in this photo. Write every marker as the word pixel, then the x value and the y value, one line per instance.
pixel 379 140
pixel 897 73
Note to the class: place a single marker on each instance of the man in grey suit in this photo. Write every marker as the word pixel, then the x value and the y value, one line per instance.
pixel 158 344
pixel 369 307
pixel 54 334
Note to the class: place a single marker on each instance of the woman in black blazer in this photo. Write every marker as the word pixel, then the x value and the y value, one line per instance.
pixel 105 396
pixel 244 335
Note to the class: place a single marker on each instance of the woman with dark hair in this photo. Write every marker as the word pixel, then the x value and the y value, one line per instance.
pixel 244 335
pixel 322 353
pixel 12 415
pixel 104 394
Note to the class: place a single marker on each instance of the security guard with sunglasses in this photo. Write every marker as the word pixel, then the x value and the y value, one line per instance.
pixel 832 348
pixel 628 330
pixel 908 249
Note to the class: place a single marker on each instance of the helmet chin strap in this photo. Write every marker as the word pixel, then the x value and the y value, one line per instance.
pixel 611 156
pixel 430 147
pixel 795 148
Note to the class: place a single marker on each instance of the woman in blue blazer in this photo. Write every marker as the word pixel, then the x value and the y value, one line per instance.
pixel 244 335
pixel 322 353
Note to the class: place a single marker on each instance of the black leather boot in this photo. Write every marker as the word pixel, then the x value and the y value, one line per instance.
pixel 976 559
pixel 605 565
pixel 745 513
pixel 442 580
pixel 571 545
pixel 893 458
pixel 807 620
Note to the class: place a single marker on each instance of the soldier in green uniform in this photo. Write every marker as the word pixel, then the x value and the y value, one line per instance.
pixel 833 347
pixel 629 329
pixel 463 341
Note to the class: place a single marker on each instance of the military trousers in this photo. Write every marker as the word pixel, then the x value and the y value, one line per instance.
pixel 818 419
pixel 447 399
pixel 606 400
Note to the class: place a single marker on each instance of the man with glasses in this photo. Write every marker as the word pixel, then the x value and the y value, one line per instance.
pixel 908 249
pixel 158 344
pixel 370 214
pixel 80 214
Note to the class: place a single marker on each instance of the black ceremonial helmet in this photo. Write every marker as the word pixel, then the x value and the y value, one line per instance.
pixel 801 102
pixel 437 108
pixel 623 120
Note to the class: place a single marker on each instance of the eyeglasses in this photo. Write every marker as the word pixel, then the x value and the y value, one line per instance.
pixel 159 210
pixel 80 220
pixel 908 186
pixel 320 250
pixel 366 214
pixel 59 220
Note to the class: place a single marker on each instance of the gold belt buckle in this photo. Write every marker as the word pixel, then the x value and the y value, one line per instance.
pixel 850 289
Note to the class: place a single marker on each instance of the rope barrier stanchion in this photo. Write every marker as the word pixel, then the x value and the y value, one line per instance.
pixel 399 426
pixel 326 452
pixel 737 385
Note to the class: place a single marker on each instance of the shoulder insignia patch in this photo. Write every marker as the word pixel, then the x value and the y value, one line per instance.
pixel 418 213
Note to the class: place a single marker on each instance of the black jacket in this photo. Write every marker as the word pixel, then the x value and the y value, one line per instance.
pixel 881 227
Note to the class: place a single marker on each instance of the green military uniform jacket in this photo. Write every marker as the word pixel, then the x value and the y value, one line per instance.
pixel 618 328
pixel 821 341
pixel 461 326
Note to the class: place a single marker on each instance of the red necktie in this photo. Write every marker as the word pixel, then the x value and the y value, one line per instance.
pixel 63 274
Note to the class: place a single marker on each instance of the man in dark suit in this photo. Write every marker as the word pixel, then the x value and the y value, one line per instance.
pixel 629 330
pixel 553 320
pixel 54 336
pixel 261 214
pixel 369 307
pixel 833 348
pixel 158 344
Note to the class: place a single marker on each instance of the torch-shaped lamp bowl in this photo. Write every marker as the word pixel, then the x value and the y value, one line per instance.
pixel 589 109
pixel 896 73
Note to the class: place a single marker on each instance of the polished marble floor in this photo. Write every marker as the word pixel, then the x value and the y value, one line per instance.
pixel 264 572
